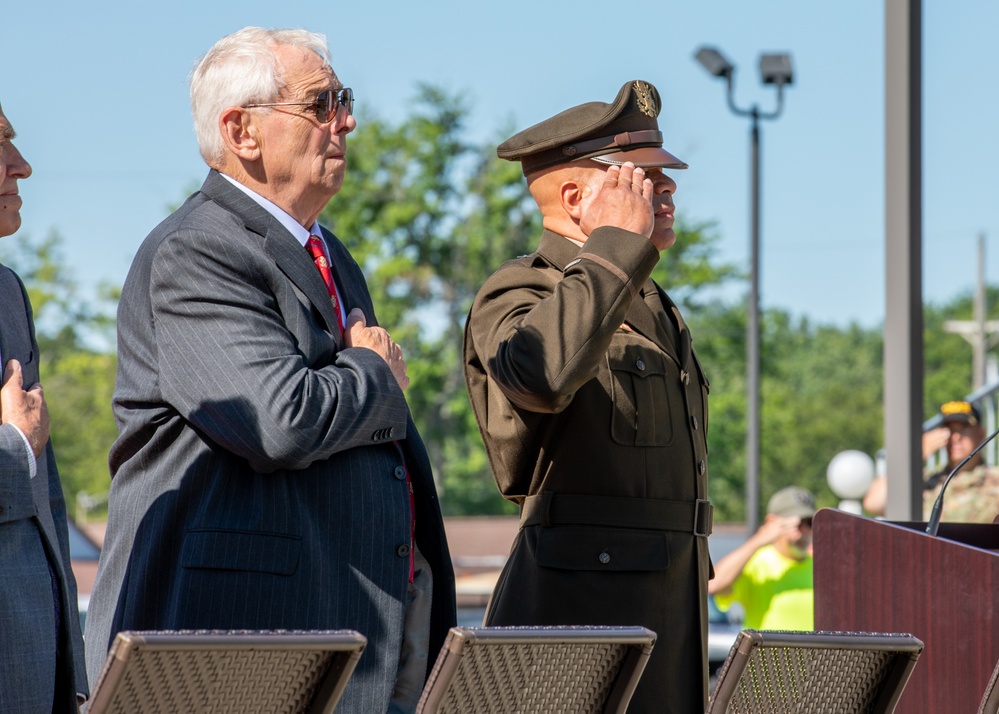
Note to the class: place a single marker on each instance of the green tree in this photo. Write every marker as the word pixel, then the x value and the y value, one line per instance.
pixel 820 393
pixel 947 357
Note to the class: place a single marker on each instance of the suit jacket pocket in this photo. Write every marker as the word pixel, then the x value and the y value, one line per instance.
pixel 584 548
pixel 241 550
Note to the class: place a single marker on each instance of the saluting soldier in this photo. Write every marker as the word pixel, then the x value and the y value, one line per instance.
pixel 591 401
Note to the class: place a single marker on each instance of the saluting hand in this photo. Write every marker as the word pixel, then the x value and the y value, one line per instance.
pixel 358 334
pixel 624 200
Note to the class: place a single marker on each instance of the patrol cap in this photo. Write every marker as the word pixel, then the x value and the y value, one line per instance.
pixel 624 130
pixel 962 411
pixel 792 501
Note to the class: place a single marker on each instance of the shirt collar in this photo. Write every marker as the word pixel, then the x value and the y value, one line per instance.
pixel 281 215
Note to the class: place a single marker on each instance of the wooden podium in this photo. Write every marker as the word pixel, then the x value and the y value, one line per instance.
pixel 879 576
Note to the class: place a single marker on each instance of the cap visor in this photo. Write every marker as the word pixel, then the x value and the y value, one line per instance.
pixel 645 157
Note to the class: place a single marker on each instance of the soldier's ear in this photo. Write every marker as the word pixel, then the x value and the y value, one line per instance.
pixel 571 196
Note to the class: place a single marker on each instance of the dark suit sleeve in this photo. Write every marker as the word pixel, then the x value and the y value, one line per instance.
pixel 539 342
pixel 251 373
pixel 15 487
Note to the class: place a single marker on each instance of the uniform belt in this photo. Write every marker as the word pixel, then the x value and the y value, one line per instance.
pixel 557 509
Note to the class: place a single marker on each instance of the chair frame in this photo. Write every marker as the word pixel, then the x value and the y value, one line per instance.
pixel 133 654
pixel 905 648
pixel 456 661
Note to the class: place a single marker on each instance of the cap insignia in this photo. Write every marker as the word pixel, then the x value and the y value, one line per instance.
pixel 647 103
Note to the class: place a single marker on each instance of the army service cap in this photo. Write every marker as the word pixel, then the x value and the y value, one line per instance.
pixel 624 130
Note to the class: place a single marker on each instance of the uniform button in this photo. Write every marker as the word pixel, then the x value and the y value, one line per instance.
pixel 400 472
pixel 605 557
pixel 701 467
pixel 640 364
pixel 402 550
pixel 693 422
pixel 685 377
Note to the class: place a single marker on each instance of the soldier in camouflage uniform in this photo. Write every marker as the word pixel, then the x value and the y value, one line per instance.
pixel 973 494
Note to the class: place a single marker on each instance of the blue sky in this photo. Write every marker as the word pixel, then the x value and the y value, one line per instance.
pixel 97 92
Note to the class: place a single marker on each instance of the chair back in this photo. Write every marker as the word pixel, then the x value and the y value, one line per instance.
pixel 846 672
pixel 261 671
pixel 575 670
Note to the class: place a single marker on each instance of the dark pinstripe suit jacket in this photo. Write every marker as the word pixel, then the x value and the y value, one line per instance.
pixel 255 481
pixel 32 530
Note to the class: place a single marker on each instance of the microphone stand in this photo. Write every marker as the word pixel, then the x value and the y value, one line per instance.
pixel 933 525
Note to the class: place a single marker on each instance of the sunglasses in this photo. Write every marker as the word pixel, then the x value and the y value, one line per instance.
pixel 327 104
pixel 806 522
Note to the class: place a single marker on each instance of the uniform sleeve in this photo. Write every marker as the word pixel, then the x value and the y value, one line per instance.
pixel 540 341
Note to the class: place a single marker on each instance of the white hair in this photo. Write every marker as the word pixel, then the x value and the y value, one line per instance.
pixel 241 69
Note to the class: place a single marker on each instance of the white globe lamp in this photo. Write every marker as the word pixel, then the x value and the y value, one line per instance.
pixel 849 475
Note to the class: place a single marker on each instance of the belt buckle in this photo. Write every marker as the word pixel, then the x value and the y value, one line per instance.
pixel 703 517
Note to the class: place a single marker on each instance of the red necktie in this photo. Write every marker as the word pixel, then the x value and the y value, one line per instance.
pixel 318 253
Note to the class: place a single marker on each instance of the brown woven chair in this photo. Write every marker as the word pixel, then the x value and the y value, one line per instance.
pixel 235 671
pixel 990 700
pixel 831 672
pixel 576 670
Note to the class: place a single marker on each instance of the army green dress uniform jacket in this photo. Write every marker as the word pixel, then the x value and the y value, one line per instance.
pixel 593 409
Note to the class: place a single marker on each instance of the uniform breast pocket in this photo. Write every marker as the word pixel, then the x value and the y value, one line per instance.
pixel 639 395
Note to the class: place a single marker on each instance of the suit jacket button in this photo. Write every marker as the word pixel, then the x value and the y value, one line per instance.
pixel 400 472
pixel 605 557
pixel 402 550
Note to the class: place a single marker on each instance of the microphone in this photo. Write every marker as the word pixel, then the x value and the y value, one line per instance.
pixel 933 525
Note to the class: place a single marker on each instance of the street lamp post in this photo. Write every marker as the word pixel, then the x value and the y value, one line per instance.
pixel 774 69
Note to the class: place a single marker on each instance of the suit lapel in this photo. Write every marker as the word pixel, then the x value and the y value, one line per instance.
pixel 15 332
pixel 294 261
pixel 683 343
pixel 287 253
pixel 646 321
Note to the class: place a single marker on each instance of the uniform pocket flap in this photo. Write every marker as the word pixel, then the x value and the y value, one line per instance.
pixel 241 550
pixel 582 548
pixel 635 359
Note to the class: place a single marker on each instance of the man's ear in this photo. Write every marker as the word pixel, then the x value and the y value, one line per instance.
pixel 239 133
pixel 571 196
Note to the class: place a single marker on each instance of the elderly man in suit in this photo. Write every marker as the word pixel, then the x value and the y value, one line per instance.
pixel 41 649
pixel 267 473
pixel 591 402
